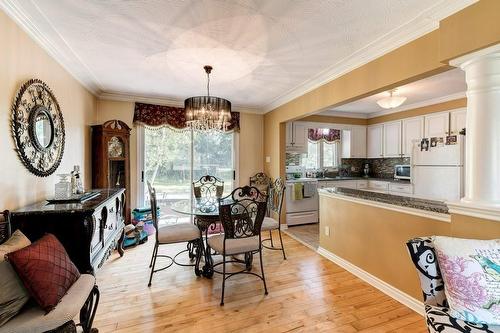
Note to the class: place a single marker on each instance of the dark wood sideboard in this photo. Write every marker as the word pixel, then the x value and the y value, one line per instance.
pixel 89 231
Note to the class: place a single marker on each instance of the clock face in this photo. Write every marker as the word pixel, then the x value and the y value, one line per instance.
pixel 115 147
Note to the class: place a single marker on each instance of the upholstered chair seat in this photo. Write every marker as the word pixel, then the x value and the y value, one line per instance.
pixel 234 246
pixel 269 224
pixel 178 233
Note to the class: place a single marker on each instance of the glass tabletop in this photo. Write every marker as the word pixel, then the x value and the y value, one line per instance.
pixel 200 207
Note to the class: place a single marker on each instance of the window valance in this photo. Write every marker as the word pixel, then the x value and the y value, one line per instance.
pixel 326 134
pixel 160 115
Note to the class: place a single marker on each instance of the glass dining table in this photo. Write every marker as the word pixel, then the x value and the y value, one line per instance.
pixel 206 218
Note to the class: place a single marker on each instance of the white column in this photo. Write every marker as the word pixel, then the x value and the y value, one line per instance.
pixel 482 167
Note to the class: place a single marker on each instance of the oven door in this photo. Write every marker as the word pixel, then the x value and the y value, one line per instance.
pixel 304 205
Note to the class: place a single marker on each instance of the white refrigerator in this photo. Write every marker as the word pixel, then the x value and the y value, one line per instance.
pixel 439 172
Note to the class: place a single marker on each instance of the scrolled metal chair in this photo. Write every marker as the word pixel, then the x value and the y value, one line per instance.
pixel 261 181
pixel 208 186
pixel 172 234
pixel 274 205
pixel 241 213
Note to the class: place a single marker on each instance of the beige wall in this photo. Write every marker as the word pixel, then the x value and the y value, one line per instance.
pixel 22 59
pixel 374 238
pixel 251 140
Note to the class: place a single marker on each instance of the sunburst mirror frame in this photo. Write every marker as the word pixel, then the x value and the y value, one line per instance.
pixel 35 102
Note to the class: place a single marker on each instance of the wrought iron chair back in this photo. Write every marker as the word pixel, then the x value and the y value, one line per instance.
pixel 276 194
pixel 154 207
pixel 242 212
pixel 4 226
pixel 261 181
pixel 208 186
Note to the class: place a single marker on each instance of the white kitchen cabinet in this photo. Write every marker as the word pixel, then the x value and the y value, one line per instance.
pixel 457 121
pixel 392 139
pixel 344 183
pixel 413 129
pixel 362 184
pixel 374 141
pixel 396 188
pixel 296 137
pixel 354 142
pixel 437 124
pixel 378 185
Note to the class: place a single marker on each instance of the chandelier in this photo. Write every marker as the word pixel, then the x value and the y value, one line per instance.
pixel 391 102
pixel 205 113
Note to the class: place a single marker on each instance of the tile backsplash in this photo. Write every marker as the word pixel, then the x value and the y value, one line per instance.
pixel 379 167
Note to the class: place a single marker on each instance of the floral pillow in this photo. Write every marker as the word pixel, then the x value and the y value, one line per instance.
pixel 471 274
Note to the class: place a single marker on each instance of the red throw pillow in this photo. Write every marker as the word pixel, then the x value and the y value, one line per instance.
pixel 45 269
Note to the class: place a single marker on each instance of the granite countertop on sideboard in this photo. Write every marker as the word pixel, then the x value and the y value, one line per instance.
pixel 391 199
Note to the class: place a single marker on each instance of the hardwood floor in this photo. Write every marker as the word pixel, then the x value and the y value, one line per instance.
pixel 307 293
pixel 307 233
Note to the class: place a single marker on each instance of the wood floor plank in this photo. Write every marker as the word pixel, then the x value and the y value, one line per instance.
pixel 307 293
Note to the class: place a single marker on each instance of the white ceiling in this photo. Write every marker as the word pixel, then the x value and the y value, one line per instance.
pixel 264 52
pixel 445 86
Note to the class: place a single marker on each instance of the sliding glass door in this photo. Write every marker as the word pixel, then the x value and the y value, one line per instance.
pixel 173 159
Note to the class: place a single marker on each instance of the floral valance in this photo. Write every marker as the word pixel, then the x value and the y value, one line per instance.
pixel 160 115
pixel 325 134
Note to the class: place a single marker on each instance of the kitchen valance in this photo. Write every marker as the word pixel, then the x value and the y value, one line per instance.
pixel 152 115
pixel 326 134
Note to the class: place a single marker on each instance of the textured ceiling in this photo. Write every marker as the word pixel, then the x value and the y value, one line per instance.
pixel 450 83
pixel 260 49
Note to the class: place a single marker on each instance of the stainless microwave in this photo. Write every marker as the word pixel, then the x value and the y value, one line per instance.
pixel 402 172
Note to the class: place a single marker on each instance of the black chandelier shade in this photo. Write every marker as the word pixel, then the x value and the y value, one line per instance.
pixel 214 108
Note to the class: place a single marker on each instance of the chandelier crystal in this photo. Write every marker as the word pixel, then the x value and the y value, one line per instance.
pixel 206 113
pixel 391 102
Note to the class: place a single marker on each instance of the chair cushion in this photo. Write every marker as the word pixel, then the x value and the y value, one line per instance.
pixel 440 321
pixel 45 269
pixel 234 246
pixel 269 224
pixel 471 274
pixel 177 233
pixel 33 319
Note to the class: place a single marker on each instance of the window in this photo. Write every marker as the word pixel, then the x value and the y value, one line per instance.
pixel 321 154
pixel 311 159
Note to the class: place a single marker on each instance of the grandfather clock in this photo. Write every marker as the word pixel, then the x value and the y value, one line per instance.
pixel 111 158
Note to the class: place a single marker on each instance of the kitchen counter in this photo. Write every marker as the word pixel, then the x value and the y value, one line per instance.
pixel 331 179
pixel 436 208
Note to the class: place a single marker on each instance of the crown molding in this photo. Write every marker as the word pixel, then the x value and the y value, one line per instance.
pixel 122 97
pixel 333 113
pixel 427 102
pixel 66 58
pixel 426 22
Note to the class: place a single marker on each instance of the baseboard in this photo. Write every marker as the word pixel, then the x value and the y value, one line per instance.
pixel 384 287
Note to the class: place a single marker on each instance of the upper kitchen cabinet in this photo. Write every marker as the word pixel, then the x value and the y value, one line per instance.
pixel 437 124
pixel 392 139
pixel 374 141
pixel 354 142
pixel 413 129
pixel 296 137
pixel 457 121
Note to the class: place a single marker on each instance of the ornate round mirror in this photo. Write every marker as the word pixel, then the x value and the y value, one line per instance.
pixel 38 128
